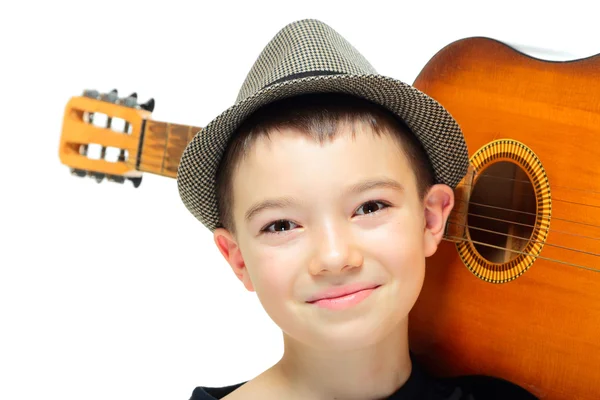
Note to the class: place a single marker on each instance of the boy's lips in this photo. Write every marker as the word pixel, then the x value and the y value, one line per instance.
pixel 335 292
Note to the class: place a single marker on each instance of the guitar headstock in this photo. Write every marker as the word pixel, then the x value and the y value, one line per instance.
pixel 101 135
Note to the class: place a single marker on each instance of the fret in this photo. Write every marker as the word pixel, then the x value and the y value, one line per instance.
pixel 178 140
pixel 163 145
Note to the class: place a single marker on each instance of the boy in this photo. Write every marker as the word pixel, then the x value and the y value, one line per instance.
pixel 326 187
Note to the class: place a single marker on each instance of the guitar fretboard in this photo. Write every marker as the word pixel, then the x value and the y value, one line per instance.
pixel 162 145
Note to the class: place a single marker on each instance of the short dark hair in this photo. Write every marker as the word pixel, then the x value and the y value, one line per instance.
pixel 318 116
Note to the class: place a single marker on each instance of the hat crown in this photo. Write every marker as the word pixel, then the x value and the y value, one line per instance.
pixel 308 56
pixel 303 48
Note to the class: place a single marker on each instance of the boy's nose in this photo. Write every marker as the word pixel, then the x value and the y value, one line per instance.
pixel 335 251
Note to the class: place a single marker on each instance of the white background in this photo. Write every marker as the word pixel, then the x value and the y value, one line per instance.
pixel 111 292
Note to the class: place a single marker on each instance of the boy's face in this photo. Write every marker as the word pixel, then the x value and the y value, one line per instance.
pixel 331 235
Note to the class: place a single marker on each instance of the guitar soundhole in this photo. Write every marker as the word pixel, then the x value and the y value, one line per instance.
pixel 502 212
pixel 509 212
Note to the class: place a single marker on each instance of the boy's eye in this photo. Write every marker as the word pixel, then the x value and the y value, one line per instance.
pixel 371 206
pixel 283 225
pixel 279 226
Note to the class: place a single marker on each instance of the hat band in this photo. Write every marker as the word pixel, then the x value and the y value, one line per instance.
pixel 304 75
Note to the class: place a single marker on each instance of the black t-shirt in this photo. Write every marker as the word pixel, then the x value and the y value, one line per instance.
pixel 421 386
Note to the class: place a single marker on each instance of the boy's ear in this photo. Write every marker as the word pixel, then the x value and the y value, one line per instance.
pixel 438 203
pixel 229 248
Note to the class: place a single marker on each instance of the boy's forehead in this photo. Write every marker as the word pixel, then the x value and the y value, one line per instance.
pixel 359 135
pixel 289 159
pixel 289 145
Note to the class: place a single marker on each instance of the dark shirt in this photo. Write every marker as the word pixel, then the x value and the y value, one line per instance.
pixel 421 386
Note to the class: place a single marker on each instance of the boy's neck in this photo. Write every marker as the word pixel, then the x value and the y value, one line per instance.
pixel 373 372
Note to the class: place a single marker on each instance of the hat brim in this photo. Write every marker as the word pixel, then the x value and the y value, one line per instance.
pixel 437 130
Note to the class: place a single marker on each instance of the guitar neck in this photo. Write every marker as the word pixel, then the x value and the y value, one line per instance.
pixel 161 146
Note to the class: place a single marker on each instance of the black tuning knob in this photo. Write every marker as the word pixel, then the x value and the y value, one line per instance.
pixel 98 176
pixel 91 93
pixel 115 178
pixel 78 172
pixel 148 106
pixel 136 181
pixel 111 96
pixel 129 101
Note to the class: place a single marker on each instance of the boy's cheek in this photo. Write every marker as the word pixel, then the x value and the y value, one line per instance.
pixel 400 239
pixel 271 277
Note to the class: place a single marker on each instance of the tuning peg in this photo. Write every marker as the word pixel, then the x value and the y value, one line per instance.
pixel 91 93
pixel 115 178
pixel 78 172
pixel 111 96
pixel 148 106
pixel 129 101
pixel 136 181
pixel 98 176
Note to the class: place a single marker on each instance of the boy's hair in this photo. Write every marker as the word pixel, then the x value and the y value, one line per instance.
pixel 318 117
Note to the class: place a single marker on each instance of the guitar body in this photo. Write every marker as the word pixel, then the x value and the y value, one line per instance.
pixel 518 300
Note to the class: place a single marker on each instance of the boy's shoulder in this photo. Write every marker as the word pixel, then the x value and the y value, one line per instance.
pixel 468 387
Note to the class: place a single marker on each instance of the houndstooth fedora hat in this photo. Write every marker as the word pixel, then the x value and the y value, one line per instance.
pixel 308 56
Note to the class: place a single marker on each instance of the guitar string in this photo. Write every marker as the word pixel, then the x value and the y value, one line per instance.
pixel 500 208
pixel 527 254
pixel 534 196
pixel 518 237
pixel 517 211
pixel 527 225
pixel 553 198
pixel 524 238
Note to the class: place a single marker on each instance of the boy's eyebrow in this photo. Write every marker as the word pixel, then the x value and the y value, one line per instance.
pixel 359 187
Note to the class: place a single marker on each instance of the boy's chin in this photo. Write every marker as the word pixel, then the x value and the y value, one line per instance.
pixel 360 333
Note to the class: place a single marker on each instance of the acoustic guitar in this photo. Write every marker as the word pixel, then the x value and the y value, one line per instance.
pixel 514 289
